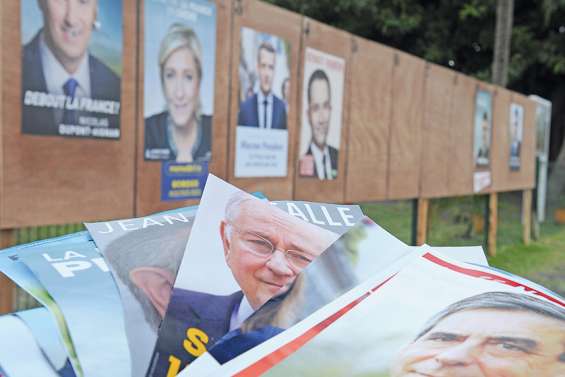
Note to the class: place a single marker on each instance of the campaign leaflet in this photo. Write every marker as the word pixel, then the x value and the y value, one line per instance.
pixel 92 307
pixel 241 252
pixel 434 317
pixel 365 250
pixel 46 334
pixel 20 355
pixel 21 275
pixel 144 255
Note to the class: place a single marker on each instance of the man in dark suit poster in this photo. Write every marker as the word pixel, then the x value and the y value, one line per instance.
pixel 516 121
pixel 263 109
pixel 65 89
pixel 321 159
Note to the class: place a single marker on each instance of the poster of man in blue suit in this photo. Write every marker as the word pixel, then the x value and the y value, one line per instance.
pixel 264 109
pixel 262 136
pixel 71 67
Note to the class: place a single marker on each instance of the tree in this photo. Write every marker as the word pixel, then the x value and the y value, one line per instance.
pixel 502 38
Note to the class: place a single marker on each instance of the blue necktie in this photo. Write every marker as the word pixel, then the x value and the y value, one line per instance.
pixel 70 88
pixel 265 103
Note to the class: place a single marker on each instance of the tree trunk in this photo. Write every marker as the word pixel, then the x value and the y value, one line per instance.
pixel 502 38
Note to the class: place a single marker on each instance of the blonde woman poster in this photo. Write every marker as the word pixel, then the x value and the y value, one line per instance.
pixel 180 52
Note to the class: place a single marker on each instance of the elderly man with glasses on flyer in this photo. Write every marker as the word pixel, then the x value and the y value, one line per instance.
pixel 265 249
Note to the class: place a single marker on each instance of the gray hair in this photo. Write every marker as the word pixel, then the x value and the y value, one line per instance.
pixel 499 301
pixel 156 246
pixel 233 206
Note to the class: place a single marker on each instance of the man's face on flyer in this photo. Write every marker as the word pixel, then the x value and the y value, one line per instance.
pixel 258 228
pixel 68 26
pixel 320 111
pixel 489 343
pixel 266 69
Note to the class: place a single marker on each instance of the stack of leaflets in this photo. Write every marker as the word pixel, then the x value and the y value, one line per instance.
pixel 242 286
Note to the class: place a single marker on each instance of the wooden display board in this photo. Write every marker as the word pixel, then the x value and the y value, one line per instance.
pixel 55 179
pixel 504 178
pixel 405 129
pixel 369 121
pixel 265 18
pixel 435 148
pixel 327 40
pixel 148 173
pixel 460 152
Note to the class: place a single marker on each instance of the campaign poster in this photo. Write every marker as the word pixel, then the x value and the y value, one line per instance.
pixel 179 69
pixel 516 131
pixel 483 128
pixel 71 68
pixel 322 107
pixel 143 255
pixel 264 88
pixel 92 308
pixel 543 125
pixel 436 317
pixel 20 274
pixel 241 252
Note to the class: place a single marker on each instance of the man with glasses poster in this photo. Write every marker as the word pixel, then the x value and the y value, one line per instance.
pixel 242 253
pixel 265 249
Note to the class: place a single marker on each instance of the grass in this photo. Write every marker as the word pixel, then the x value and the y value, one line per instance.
pixel 451 224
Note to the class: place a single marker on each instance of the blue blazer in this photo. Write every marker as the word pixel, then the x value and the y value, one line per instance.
pixel 237 342
pixel 249 113
pixel 207 312
pixel 104 85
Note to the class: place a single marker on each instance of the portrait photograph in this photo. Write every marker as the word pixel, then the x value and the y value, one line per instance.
pixel 179 69
pixel 483 128
pixel 321 118
pixel 264 89
pixel 232 265
pixel 71 67
pixel 515 132
pixel 144 261
pixel 264 80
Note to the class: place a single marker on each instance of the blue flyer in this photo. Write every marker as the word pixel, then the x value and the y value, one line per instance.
pixel 181 181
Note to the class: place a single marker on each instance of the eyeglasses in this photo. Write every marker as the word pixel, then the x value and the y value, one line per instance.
pixel 262 247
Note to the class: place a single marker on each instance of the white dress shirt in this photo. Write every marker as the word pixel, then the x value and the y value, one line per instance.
pixel 260 109
pixel 324 170
pixel 240 314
